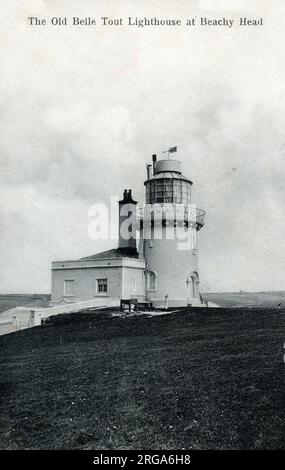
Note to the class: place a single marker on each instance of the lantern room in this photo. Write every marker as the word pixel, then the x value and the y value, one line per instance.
pixel 166 184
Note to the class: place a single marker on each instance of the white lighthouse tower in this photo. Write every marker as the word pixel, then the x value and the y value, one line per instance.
pixel 168 236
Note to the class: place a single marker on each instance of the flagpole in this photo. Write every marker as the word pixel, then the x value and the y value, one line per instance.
pixel 169 151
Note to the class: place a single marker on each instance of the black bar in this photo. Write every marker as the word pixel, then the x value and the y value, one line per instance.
pixel 131 459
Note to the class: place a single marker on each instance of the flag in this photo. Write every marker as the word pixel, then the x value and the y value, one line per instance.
pixel 172 149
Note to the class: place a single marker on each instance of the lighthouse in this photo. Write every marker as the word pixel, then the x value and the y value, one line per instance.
pixel 168 236
pixel 156 259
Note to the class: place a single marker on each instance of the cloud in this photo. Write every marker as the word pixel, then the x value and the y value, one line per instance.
pixel 82 110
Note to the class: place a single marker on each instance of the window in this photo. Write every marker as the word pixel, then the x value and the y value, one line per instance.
pixel 152 280
pixel 69 287
pixel 171 190
pixel 102 286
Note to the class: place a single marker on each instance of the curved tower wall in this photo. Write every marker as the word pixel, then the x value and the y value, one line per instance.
pixel 173 270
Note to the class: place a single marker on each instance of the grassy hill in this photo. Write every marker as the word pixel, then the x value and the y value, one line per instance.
pixel 195 379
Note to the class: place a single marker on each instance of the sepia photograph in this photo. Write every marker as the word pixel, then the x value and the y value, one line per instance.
pixel 142 223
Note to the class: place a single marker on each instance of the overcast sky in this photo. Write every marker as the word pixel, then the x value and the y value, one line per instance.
pixel 84 108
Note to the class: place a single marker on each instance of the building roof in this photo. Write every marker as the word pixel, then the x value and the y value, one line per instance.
pixel 168 175
pixel 114 253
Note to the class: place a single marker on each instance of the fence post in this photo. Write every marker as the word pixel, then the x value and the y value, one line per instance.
pixel 166 302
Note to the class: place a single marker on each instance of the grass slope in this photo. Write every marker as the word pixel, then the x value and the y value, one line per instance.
pixel 197 379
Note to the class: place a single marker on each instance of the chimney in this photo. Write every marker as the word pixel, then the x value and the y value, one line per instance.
pixel 127 224
pixel 153 163
pixel 125 195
